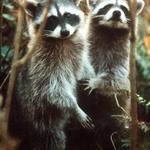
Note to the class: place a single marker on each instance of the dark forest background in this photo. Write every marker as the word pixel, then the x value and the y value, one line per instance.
pixel 142 58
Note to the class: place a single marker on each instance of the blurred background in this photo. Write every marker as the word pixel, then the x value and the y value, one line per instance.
pixel 142 57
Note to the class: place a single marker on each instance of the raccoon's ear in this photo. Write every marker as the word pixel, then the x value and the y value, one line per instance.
pixel 30 8
pixel 140 6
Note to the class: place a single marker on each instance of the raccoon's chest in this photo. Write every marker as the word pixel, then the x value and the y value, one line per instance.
pixel 57 56
pixel 107 54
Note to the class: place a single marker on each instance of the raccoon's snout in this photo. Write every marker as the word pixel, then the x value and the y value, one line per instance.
pixel 64 33
pixel 116 15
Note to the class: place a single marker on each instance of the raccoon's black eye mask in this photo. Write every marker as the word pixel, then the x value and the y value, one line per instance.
pixel 104 10
pixel 71 19
pixel 125 10
pixel 51 23
pixel 67 18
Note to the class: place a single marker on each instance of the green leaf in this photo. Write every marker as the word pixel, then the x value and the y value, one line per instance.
pixel 8 17
pixel 125 143
pixel 6 52
pixel 8 5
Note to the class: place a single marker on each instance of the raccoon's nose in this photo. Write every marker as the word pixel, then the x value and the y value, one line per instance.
pixel 64 33
pixel 116 14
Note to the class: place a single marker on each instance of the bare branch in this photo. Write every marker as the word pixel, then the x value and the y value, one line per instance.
pixel 7 142
pixel 34 41
pixel 133 6
pixel 112 141
pixel 4 81
pixel 11 143
pixel 17 42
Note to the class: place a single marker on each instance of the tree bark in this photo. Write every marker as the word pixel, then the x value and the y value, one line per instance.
pixel 133 6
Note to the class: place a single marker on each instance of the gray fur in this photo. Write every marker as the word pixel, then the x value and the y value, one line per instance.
pixel 110 47
pixel 45 92
pixel 110 58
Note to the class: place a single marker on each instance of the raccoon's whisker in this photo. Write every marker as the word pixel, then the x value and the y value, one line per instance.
pixel 98 16
pixel 47 31
pixel 128 19
pixel 46 35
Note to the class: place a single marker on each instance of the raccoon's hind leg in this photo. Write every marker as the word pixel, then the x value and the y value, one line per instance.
pixel 47 142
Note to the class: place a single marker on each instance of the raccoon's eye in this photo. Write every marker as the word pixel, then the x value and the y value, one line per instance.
pixel 125 10
pixel 67 15
pixel 73 20
pixel 51 23
pixel 52 18
pixel 105 9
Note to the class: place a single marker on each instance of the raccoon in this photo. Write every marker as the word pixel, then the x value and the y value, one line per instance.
pixel 110 45
pixel 45 94
pixel 109 51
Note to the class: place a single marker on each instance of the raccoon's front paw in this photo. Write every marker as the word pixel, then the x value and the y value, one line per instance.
pixel 90 85
pixel 85 120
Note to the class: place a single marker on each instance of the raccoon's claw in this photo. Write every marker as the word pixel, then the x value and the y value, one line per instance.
pixel 85 120
pixel 90 90
pixel 87 86
pixel 88 123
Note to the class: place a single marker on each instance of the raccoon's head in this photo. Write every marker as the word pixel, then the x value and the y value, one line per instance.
pixel 114 13
pixel 63 20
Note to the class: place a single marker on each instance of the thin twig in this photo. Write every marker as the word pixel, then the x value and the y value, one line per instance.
pixel 98 146
pixel 34 41
pixel 17 42
pixel 9 142
pixel 112 141
pixel 118 105
pixel 4 81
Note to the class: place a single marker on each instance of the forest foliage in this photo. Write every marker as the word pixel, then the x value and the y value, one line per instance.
pixel 142 53
pixel 142 58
